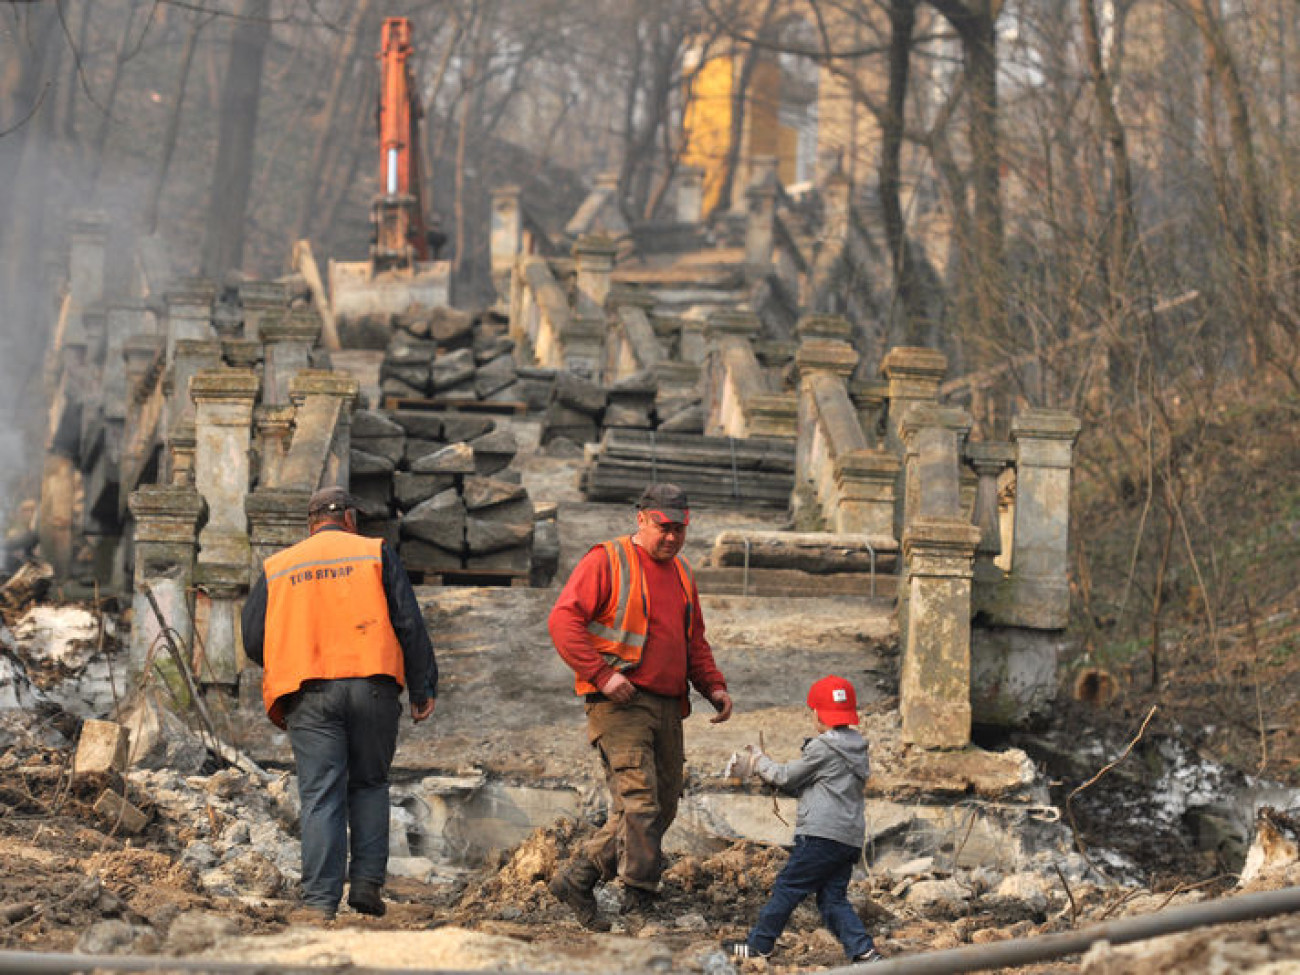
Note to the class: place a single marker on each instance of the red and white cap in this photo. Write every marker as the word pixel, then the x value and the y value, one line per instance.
pixel 835 701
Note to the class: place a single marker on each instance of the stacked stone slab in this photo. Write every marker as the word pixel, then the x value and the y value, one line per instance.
pixel 722 470
pixel 450 355
pixel 437 487
pixel 580 410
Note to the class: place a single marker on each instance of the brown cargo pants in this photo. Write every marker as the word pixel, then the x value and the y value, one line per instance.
pixel 641 749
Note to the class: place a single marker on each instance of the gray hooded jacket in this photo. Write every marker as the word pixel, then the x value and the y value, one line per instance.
pixel 828 777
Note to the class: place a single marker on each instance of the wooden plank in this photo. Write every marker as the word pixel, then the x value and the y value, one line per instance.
pixel 815 552
pixel 730 581
pixel 500 407
pixel 474 577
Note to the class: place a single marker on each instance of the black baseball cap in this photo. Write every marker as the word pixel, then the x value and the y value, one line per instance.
pixel 665 503
pixel 333 499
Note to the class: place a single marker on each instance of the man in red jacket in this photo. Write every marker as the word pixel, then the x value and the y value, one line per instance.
pixel 629 624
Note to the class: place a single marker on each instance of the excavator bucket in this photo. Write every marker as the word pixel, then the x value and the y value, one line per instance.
pixel 357 290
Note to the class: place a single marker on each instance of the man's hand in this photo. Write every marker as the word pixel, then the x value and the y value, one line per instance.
pixel 722 701
pixel 618 688
pixel 421 711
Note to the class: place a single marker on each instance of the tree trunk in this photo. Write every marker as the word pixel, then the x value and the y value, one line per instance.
pixel 223 244
pixel 173 126
pixel 100 145
pixel 902 17
pixel 344 58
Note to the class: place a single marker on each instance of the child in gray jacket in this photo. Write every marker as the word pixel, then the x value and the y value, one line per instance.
pixel 830 826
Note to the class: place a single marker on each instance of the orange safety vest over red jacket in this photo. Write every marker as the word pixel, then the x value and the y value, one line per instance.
pixel 326 616
pixel 619 628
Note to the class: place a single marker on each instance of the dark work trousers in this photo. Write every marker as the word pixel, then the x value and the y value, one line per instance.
pixel 344 733
pixel 641 749
pixel 824 867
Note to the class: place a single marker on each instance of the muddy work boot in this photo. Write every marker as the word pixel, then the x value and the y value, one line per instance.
pixel 366 897
pixel 638 900
pixel 574 886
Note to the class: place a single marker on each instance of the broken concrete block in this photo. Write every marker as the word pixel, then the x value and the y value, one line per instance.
pixel 440 520
pixel 451 369
pixel 457 458
pixel 102 747
pixel 119 813
pixel 484 492
pixel 418 447
pixel 415 375
pixel 466 426
pixel 494 451
pixel 374 423
pixel 501 527
pixel 422 556
pixel 411 489
pixel 390 447
pixel 578 394
pixel 423 426
pixel 450 326
pixel 363 464
pixel 494 375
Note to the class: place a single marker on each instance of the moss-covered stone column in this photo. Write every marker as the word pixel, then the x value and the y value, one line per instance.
pixel 934 690
pixel 167 520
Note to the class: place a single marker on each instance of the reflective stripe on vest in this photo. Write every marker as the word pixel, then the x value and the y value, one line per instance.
pixel 619 631
pixel 327 615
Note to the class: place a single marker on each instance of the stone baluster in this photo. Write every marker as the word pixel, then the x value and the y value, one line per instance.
pixel 726 330
pixel 688 183
pixel 934 687
pixel 288 339
pixel 1039 588
pixel 988 459
pixel 274 428
pixel 167 520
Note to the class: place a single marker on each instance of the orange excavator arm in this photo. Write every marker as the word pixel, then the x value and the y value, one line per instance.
pixel 401 235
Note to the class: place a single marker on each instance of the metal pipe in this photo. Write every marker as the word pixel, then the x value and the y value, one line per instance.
pixel 1027 951
pixel 40 962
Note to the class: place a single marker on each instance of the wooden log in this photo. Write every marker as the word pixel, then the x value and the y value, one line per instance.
pixel 731 581
pixel 745 454
pixel 815 552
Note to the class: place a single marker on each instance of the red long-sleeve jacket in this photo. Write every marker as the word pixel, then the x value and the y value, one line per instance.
pixel 670 664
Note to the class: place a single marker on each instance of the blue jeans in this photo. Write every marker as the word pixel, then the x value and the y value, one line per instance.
pixel 344 733
pixel 819 866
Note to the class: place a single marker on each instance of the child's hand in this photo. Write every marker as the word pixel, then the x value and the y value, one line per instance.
pixel 743 763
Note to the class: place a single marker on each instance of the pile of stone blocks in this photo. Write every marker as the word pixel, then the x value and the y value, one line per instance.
pixel 437 487
pixel 580 410
pixel 450 355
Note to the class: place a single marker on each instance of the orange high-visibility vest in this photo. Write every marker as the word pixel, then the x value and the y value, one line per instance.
pixel 326 616
pixel 619 629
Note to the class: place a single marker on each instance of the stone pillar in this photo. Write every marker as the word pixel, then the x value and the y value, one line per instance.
pixel 261 300
pixel 869 398
pixel 167 520
pixel 277 518
pixel 725 330
pixel 89 232
pixel 988 459
pixel 914 375
pixel 827 425
pixel 1039 590
pixel 934 689
pixel 139 353
pixel 189 313
pixel 123 321
pixel 188 358
pixel 688 183
pixel 224 400
pixel 835 328
pixel 594 259
pixel 289 339
pixel 760 230
pixel 507 240
pixel 933 437
pixel 864 484
pixel 182 445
